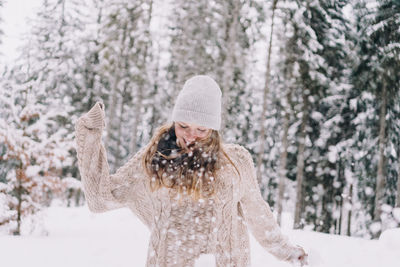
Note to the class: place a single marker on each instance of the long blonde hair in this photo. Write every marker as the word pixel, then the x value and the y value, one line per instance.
pixel 192 173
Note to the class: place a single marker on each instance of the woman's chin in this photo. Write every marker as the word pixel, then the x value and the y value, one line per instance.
pixel 185 145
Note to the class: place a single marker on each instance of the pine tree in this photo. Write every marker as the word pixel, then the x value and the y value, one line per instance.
pixel 51 61
pixel 264 105
pixel 316 48
pixel 7 215
pixel 211 38
pixel 38 141
pixel 33 152
pixel 335 53
pixel 285 85
pixel 385 36
pixel 234 73
pixel 193 48
pixel 124 59
pixel 88 82
pixel 1 20
pixel 378 53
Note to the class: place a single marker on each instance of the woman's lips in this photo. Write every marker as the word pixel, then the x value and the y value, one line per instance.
pixel 188 144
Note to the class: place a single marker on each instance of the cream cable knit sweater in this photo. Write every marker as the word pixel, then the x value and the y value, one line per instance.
pixel 182 229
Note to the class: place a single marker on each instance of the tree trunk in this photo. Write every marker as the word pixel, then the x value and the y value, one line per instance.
pixel 155 114
pixel 300 163
pixel 398 180
pixel 350 198
pixel 139 100
pixel 341 166
pixel 115 92
pixel 137 116
pixel 339 221
pixel 19 175
pixel 283 160
pixel 229 60
pixel 380 178
pixel 265 95
pixel 119 135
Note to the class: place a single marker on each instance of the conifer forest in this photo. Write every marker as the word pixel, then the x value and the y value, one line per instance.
pixel 311 88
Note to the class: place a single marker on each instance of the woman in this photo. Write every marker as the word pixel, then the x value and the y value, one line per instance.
pixel 196 195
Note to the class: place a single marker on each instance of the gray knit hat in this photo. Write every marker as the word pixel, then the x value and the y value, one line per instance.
pixel 199 102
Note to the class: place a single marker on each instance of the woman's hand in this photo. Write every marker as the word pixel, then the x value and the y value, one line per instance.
pixel 94 119
pixel 299 257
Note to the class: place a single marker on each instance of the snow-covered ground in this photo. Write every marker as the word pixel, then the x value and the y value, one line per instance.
pixel 78 238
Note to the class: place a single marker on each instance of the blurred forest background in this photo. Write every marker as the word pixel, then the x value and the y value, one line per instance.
pixel 310 87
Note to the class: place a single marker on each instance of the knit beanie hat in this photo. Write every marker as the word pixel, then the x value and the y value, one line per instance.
pixel 199 102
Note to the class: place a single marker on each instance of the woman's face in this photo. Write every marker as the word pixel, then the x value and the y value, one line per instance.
pixel 188 133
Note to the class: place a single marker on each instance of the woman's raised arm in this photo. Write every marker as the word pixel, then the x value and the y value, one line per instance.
pixel 103 192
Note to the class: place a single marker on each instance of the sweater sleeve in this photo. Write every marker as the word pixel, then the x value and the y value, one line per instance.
pixel 103 192
pixel 257 213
